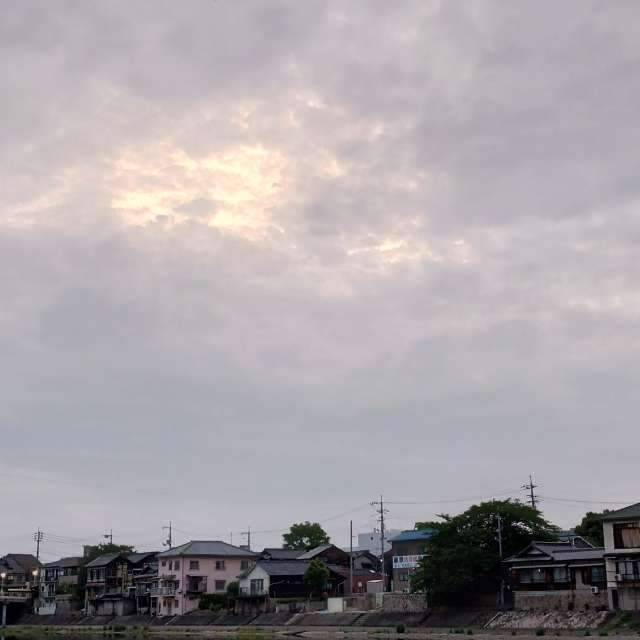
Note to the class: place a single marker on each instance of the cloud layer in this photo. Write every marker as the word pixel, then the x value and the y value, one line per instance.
pixel 262 261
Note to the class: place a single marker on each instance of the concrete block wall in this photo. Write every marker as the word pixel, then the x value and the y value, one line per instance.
pixel 404 603
pixel 578 600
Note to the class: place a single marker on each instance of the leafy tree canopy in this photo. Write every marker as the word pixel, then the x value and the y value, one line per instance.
pixel 316 576
pixel 305 535
pixel 591 527
pixel 462 556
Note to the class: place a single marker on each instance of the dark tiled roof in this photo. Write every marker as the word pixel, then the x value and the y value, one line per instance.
pixel 630 512
pixel 284 567
pixel 207 548
pixel 105 559
pixel 281 554
pixel 556 552
pixel 312 553
pixel 22 562
pixel 73 561
pixel 141 555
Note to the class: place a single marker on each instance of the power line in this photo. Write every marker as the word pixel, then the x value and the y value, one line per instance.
pixel 453 500
pixel 585 501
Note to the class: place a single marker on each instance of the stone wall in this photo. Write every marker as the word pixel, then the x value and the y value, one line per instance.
pixel 404 603
pixel 576 600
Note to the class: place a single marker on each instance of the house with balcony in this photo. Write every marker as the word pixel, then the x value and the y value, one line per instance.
pixel 58 583
pixel 19 573
pixel 622 555
pixel 110 588
pixel 565 575
pixel 199 567
pixel 407 550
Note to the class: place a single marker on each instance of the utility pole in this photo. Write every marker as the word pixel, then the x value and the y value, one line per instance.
pixel 38 536
pixel 108 536
pixel 248 534
pixel 500 553
pixel 169 541
pixel 350 557
pixel 381 511
pixel 532 496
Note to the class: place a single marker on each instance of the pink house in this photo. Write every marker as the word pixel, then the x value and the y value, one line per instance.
pixel 187 572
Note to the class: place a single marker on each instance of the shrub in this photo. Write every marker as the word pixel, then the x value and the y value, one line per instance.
pixel 540 632
pixel 119 628
pixel 469 632
pixel 400 628
pixel 212 601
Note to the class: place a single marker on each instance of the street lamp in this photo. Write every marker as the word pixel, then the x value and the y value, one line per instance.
pixel 3 575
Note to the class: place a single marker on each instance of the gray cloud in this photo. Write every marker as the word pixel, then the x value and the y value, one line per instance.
pixel 261 252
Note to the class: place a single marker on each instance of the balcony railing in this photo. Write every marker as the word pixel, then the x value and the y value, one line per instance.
pixel 163 591
pixel 627 577
pixel 407 562
pixel 253 593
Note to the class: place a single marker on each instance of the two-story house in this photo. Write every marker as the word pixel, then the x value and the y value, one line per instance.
pixel 622 555
pixel 407 550
pixel 19 572
pixel 58 578
pixel 566 575
pixel 110 586
pixel 187 572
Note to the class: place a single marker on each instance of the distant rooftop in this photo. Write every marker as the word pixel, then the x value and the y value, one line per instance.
pixel 413 534
pixel 630 512
pixel 207 548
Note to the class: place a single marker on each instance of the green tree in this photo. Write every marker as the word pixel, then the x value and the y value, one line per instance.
pixel 305 535
pixel 591 527
pixel 462 555
pixel 316 576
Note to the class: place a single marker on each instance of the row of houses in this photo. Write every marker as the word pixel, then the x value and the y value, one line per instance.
pixel 572 574
pixel 568 574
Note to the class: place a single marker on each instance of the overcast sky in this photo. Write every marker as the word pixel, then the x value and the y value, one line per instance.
pixel 261 261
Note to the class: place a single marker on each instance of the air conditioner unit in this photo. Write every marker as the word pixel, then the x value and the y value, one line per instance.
pixel 618 577
pixel 595 589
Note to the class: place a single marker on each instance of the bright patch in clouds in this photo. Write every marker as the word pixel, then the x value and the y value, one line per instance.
pixel 235 189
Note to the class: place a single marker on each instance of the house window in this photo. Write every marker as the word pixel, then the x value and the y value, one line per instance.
pixel 220 585
pixel 194 565
pixel 164 563
pixel 404 577
pixel 244 565
pixel 538 576
pixel 626 535
pixel 626 568
pixel 524 576
pixel 598 574
pixel 220 565
pixel 176 564
pixel 257 585
pixel 560 574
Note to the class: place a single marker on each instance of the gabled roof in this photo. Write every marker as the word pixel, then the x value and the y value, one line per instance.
pixel 205 548
pixel 106 558
pixel 141 555
pixel 72 561
pixel 413 534
pixel 22 562
pixel 284 568
pixel 632 512
pixel 316 551
pixel 281 554
pixel 555 552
